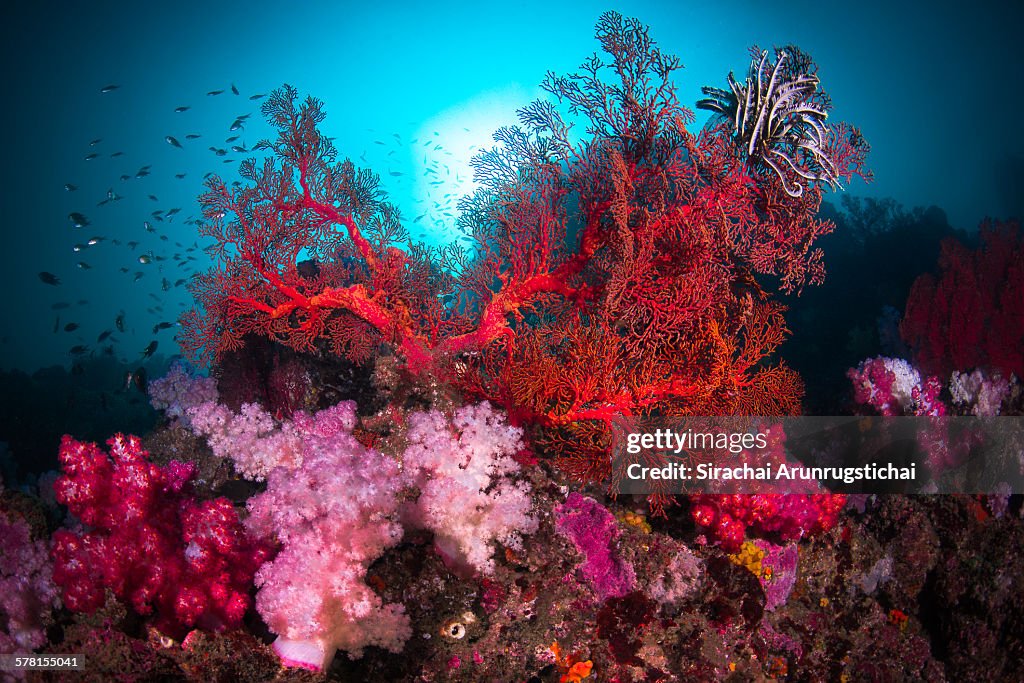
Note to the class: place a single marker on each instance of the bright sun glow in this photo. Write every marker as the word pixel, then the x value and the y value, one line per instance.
pixel 445 144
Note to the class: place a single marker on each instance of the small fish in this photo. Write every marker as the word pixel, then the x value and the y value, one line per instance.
pixel 56 325
pixel 193 136
pixel 71 327
pixel 181 110
pixel 69 187
pixel 171 140
pixel 214 92
pixel 140 379
pixel 132 244
pixel 149 350
pixel 396 173
pixel 138 276
pixel 256 97
pixel 79 247
pixel 93 143
pixel 117 154
pixel 90 157
pixel 104 335
pixel 234 90
pixel 232 138
pixel 171 212
pixel 142 173
pixel 119 322
pixel 49 278
pixel 125 177
pixel 109 88
pixel 83 265
pixel 93 241
pixel 148 226
pixel 79 350
pixel 237 148
pixel 235 125
pixel 162 326
pixel 179 176
pixel 145 259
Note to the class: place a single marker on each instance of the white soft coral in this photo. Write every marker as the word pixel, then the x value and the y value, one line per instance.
pixel 468 499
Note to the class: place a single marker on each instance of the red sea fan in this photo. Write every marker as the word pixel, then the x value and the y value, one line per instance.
pixel 971 314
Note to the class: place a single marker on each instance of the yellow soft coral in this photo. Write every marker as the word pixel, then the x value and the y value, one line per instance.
pixel 635 519
pixel 750 557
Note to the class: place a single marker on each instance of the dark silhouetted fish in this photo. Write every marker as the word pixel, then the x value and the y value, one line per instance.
pixel 119 322
pixel 71 327
pixel 69 187
pixel 171 140
pixel 149 350
pixel 49 278
pixel 104 335
pixel 215 92
pixel 181 110
pixel 109 88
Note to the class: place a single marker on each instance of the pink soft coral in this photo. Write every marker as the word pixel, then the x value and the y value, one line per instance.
pixel 332 504
pixel 27 593
pixel 336 507
pixel 467 495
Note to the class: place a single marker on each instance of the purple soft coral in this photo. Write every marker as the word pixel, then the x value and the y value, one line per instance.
pixel 593 530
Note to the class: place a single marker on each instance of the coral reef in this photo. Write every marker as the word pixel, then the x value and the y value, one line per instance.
pixel 404 454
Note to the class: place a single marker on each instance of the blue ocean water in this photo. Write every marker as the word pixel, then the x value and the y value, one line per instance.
pixel 411 90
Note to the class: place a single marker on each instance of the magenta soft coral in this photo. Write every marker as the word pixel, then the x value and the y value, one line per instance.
pixel 595 533
pixel 187 562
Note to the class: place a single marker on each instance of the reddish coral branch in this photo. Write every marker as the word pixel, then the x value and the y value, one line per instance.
pixel 972 314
